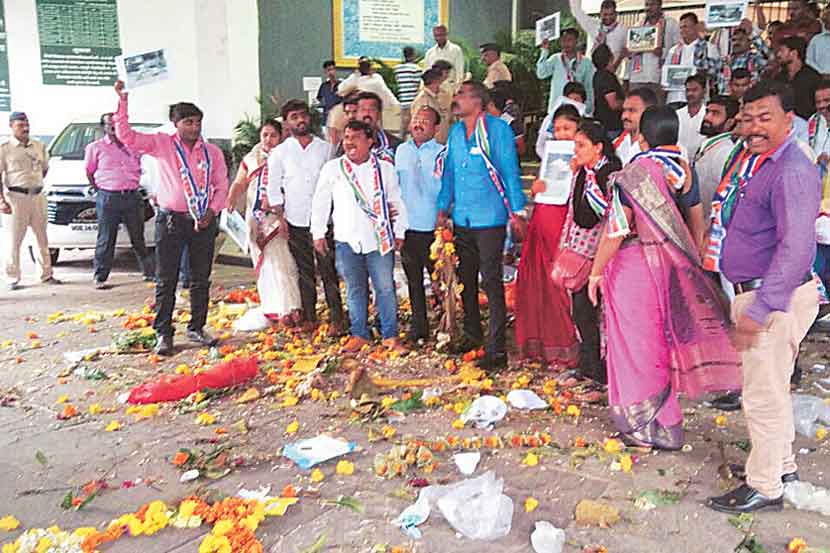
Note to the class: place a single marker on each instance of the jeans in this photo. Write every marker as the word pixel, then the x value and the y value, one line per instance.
pixel 112 209
pixel 480 250
pixel 174 232
pixel 585 317
pixel 415 257
pixel 822 265
pixel 356 269
pixel 302 249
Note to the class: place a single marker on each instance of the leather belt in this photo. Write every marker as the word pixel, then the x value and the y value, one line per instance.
pixel 119 192
pixel 755 283
pixel 27 191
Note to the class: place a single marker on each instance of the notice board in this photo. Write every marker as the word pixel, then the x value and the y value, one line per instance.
pixel 78 41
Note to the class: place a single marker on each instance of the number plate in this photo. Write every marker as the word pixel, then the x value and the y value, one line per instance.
pixel 84 227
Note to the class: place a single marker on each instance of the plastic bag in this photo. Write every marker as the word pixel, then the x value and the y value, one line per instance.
pixel 253 320
pixel 176 387
pixel 547 538
pixel 485 412
pixel 809 412
pixel 477 508
pixel 807 497
pixel 526 399
pixel 307 453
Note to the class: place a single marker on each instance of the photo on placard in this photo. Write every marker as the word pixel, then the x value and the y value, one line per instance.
pixel 138 70
pixel 556 171
pixel 674 76
pixel 642 39
pixel 547 28
pixel 725 13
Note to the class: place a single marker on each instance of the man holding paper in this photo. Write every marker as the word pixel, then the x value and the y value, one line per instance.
pixel 565 67
pixel 603 30
pixel 690 51
pixel 644 67
pixel 193 188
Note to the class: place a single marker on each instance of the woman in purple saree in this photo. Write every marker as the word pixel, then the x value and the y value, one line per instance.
pixel 666 323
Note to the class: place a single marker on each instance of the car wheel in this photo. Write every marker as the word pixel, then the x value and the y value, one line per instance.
pixel 53 255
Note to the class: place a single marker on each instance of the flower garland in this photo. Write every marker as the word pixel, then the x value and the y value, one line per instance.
pixel 442 253
pixel 234 520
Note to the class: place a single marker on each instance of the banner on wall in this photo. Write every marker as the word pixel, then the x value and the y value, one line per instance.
pixel 5 89
pixel 79 41
pixel 381 28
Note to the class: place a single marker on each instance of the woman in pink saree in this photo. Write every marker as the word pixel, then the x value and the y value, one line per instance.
pixel 666 322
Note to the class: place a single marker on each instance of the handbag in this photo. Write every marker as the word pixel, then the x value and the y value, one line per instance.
pixel 572 266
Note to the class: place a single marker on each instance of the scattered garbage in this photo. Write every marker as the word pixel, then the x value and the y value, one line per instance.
pixel 74 357
pixel 90 373
pixel 808 497
pixel 467 462
pixel 176 387
pixel 526 399
pixel 485 412
pixel 189 476
pixel 596 513
pixel 260 494
pixel 252 321
pixel 809 412
pixel 430 393
pixel 819 367
pixel 307 453
pixel 475 507
pixel 547 538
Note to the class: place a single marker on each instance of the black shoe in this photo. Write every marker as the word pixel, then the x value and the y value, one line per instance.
pixel 739 471
pixel 464 345
pixel 202 337
pixel 493 364
pixel 149 278
pixel 730 401
pixel 52 280
pixel 745 499
pixel 164 346
pixel 14 286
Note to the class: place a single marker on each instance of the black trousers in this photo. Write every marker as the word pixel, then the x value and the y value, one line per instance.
pixel 113 209
pixel 174 231
pixel 586 319
pixel 301 246
pixel 480 251
pixel 414 258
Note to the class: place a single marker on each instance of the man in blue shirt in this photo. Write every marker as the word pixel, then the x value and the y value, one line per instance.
pixel 327 93
pixel 415 162
pixel 481 187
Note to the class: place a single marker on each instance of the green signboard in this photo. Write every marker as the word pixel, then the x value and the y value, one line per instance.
pixel 78 41
pixel 5 91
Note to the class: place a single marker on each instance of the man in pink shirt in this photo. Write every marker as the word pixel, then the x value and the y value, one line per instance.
pixel 193 189
pixel 114 172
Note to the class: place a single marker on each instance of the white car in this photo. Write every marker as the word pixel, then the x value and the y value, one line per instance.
pixel 72 220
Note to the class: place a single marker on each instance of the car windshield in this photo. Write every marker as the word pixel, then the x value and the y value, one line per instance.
pixel 73 140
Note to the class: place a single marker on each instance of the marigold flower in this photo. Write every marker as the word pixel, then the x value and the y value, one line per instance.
pixel 530 504
pixel 531 460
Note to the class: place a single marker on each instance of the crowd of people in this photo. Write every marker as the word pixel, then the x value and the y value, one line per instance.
pixel 683 259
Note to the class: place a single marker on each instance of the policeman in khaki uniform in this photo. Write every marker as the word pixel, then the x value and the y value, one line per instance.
pixel 23 164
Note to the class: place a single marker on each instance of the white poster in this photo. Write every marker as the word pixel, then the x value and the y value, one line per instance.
pixel 142 69
pixel 233 224
pixel 400 21
pixel 556 171
pixel 725 13
pixel 547 28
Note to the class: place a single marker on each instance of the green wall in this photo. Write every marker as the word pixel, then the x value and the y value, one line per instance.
pixel 296 37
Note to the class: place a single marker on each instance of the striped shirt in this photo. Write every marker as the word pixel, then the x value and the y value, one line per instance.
pixel 408 76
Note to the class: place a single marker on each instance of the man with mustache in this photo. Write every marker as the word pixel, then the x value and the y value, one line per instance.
pixel 358 192
pixel 370 111
pixel 717 126
pixel 627 144
pixel 294 167
pixel 763 238
pixel 802 78
pixel 418 166
pixel 23 164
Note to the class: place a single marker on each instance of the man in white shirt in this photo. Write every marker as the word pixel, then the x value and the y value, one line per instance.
pixel 448 51
pixel 603 30
pixel 717 126
pixel 691 115
pixel 360 193
pixel 644 68
pixel 366 80
pixel 627 144
pixel 293 168
pixel 690 51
